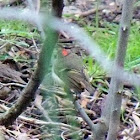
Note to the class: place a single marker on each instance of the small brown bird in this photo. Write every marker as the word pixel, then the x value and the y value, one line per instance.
pixel 69 68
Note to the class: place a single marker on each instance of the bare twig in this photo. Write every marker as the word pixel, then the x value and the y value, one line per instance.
pixel 35 45
pixel 18 46
pixel 84 116
pixel 89 12
pixel 92 126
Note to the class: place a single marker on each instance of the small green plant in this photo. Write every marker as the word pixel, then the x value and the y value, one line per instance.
pixel 107 38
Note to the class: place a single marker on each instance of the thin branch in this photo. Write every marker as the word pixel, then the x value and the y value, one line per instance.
pixel 89 12
pixel 30 90
pixel 111 111
pixel 89 122
pixel 120 57
pixel 84 116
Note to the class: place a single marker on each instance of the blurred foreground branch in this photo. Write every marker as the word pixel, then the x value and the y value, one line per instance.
pixel 8 2
pixel 31 88
pixel 29 91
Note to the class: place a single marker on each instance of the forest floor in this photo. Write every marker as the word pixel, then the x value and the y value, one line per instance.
pixel 20 44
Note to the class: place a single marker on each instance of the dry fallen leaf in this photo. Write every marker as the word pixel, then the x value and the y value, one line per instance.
pixel 84 102
pixel 136 119
pixel 8 74
pixel 23 136
pixel 38 100
pixel 125 99
pixel 4 91
pixel 64 102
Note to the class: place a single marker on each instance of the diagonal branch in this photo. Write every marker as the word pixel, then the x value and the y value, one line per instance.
pixel 84 116
pixel 29 91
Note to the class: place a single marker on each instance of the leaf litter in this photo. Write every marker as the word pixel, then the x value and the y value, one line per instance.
pixel 15 71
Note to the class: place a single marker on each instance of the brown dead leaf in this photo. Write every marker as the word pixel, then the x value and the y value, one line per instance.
pixel 136 119
pixel 12 64
pixel 2 135
pixel 38 100
pixel 4 91
pixel 84 102
pixel 125 99
pixel 129 133
pixel 23 136
pixel 8 74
